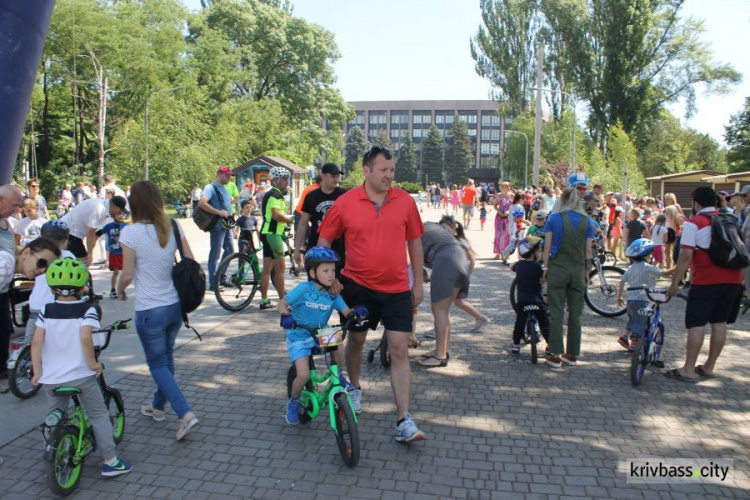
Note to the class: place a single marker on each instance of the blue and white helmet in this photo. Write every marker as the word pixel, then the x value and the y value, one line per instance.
pixel 639 248
pixel 518 212
pixel 578 179
pixel 278 173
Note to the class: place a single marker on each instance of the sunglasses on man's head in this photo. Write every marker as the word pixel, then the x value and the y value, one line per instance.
pixel 374 151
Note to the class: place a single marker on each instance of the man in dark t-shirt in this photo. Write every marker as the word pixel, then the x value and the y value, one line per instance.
pixel 314 209
pixel 635 228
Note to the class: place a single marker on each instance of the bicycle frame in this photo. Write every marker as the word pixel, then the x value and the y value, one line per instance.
pixel 81 422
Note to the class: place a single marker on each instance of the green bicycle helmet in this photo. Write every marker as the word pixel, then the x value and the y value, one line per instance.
pixel 67 276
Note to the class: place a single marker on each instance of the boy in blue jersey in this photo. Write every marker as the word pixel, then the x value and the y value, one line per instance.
pixel 311 304
pixel 112 230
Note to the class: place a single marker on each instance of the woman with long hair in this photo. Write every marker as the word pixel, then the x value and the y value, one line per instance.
pixel 675 218
pixel 148 248
pixel 567 258
pixel 454 200
pixel 502 211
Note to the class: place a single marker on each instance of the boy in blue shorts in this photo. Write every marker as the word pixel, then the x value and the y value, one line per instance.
pixel 112 230
pixel 62 354
pixel 311 304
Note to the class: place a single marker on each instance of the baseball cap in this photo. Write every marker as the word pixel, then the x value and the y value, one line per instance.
pixel 224 170
pixel 541 214
pixel 590 196
pixel 331 168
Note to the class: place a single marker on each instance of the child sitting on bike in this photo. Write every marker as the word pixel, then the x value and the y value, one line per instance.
pixel 246 225
pixel 41 295
pixel 642 276
pixel 529 278
pixel 311 304
pixel 61 361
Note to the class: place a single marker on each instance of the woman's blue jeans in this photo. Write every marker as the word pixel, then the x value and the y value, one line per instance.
pixel 157 329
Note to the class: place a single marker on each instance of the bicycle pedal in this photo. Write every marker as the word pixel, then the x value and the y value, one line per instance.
pixel 658 364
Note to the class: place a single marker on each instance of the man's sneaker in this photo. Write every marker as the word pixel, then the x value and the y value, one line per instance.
pixel 292 411
pixel 623 341
pixel 356 397
pixel 118 468
pixel 569 359
pixel 407 431
pixel 515 351
pixel 554 361
pixel 480 323
pixel 113 294
pixel 266 304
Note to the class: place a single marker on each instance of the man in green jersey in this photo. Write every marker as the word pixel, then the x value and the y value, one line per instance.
pixel 275 220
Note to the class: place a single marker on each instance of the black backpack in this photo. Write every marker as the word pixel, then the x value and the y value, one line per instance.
pixel 727 248
pixel 189 280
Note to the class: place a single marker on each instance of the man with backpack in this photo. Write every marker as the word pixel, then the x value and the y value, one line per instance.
pixel 711 246
pixel 216 200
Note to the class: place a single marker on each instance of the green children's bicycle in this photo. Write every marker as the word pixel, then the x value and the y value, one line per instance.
pixel 325 390
pixel 69 439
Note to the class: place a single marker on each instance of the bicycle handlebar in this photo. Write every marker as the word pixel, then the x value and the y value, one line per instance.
pixel 353 318
pixel 121 324
pixel 654 291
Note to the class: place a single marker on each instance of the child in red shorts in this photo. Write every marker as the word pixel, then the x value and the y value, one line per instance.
pixel 112 230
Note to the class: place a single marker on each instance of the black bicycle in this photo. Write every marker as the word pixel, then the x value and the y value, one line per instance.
pixel 532 333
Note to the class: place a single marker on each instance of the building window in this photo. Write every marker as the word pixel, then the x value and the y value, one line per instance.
pixel 417 119
pixel 417 133
pixel 472 132
pixel 399 118
pixel 439 119
pixel 377 118
pixel 486 120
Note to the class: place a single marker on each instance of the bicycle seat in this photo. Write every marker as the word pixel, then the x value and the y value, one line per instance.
pixel 531 308
pixel 67 391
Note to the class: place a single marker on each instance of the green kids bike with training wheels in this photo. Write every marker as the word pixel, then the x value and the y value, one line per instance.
pixel 69 437
pixel 325 391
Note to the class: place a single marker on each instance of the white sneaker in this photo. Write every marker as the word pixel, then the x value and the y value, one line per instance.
pixel 407 431
pixel 480 323
pixel 356 396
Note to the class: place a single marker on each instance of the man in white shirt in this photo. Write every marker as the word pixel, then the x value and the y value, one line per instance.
pixel 109 183
pixel 85 220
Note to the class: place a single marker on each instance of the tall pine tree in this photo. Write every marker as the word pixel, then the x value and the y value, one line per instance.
pixel 407 163
pixel 356 145
pixel 460 157
pixel 432 156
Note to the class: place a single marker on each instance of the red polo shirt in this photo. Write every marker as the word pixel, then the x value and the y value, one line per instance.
pixel 375 238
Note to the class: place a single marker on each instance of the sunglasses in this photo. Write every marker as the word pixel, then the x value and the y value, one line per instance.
pixel 581 188
pixel 376 150
pixel 34 185
pixel 40 262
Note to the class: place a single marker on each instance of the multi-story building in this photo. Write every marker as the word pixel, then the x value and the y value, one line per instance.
pixel 402 119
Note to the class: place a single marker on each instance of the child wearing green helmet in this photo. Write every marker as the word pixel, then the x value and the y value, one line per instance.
pixel 59 362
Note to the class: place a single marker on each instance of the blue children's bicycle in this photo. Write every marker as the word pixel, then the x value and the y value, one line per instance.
pixel 648 349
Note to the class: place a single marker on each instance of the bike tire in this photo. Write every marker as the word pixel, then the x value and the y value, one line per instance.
pixel 603 299
pixel 347 434
pixel 19 378
pixel 385 354
pixel 116 407
pixel 242 281
pixel 639 361
pixel 290 376
pixel 514 295
pixel 63 474
pixel 532 336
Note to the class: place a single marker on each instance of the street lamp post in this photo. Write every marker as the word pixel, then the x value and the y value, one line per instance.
pixel 573 149
pixel 148 99
pixel 526 170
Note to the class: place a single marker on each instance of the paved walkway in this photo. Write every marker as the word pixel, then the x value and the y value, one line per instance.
pixel 497 427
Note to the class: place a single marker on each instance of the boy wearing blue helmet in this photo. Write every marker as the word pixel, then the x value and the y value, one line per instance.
pixel 311 304
pixel 642 276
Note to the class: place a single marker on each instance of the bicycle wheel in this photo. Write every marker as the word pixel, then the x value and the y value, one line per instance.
pixel 116 407
pixel 347 435
pixel 63 474
pixel 514 295
pixel 385 354
pixel 290 376
pixel 19 378
pixel 601 291
pixel 639 361
pixel 242 280
pixel 533 338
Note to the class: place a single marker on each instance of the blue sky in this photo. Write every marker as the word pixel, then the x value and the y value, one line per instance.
pixel 419 49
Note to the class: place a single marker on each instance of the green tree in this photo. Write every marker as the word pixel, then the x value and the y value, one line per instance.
pixel 629 58
pixel 433 156
pixel 621 161
pixel 737 136
pixel 459 156
pixel 407 162
pixel 355 147
pixel 382 139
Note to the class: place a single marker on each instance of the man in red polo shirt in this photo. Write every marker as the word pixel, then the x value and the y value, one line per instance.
pixel 715 291
pixel 381 223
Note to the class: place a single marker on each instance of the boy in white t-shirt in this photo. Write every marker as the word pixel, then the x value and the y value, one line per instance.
pixel 29 228
pixel 41 295
pixel 62 353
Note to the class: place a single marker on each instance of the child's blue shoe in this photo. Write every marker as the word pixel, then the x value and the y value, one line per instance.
pixel 116 469
pixel 292 411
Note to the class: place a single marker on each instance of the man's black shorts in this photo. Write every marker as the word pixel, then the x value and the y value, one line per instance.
pixel 267 250
pixel 712 304
pixel 393 309
pixel 76 247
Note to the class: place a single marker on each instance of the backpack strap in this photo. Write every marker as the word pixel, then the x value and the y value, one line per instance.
pixel 178 241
